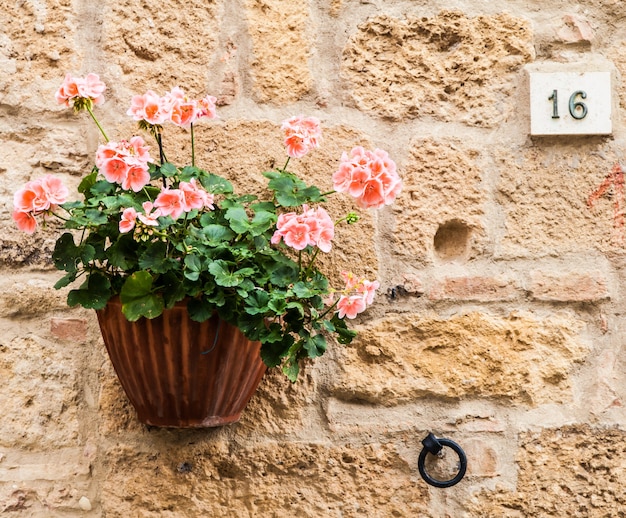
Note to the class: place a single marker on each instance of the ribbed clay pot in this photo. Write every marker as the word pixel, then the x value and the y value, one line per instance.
pixel 181 373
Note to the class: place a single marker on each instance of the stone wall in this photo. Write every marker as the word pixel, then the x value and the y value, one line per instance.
pixel 500 316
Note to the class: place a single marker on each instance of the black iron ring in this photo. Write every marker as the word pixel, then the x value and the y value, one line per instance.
pixel 433 446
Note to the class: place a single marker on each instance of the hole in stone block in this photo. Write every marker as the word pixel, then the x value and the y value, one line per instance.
pixel 452 240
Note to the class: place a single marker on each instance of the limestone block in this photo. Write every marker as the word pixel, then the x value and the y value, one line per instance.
pixel 576 471
pixel 439 213
pixel 617 54
pixel 450 66
pixel 41 391
pixel 280 479
pixel 157 45
pixel 556 194
pixel 29 295
pixel 37 47
pixel 281 40
pixel 520 358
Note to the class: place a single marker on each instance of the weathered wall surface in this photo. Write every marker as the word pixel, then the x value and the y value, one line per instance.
pixel 500 321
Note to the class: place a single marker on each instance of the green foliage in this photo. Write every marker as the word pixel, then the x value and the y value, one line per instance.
pixel 220 260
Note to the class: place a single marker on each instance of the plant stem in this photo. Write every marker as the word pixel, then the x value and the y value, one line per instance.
pixel 96 121
pixel 193 148
pixel 328 193
pixel 162 156
pixel 284 169
pixel 310 267
pixel 330 308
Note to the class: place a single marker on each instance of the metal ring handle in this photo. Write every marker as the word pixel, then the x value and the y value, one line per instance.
pixel 428 448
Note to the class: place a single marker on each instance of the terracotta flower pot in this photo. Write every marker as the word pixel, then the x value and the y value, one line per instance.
pixel 181 373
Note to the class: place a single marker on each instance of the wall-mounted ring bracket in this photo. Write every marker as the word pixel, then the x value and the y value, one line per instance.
pixel 434 446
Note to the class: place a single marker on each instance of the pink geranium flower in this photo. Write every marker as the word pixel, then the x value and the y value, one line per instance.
pixel 368 176
pixel 125 163
pixel 206 107
pixel 171 202
pixel 39 196
pixel 137 177
pixel 128 220
pixel 25 221
pixel 148 107
pixel 75 88
pixel 350 306
pixel 149 217
pixel 302 134
pixel 194 196
pixel 312 228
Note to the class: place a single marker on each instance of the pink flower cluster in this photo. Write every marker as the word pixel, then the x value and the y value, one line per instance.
pixel 313 227
pixel 174 106
pixel 74 88
pixel 302 134
pixel 369 176
pixel 125 163
pixel 130 216
pixel 169 202
pixel 188 196
pixel 37 197
pixel 357 295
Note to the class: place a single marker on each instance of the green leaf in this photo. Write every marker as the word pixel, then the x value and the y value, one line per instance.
pixel 238 219
pixel 290 190
pixel 168 170
pixel 277 303
pixel 96 217
pixel 216 184
pixel 155 259
pixel 261 222
pixel 137 297
pixel 66 280
pixel 250 325
pixel 344 335
pixel 66 254
pixel 303 291
pixel 284 274
pixel 272 351
pixel 102 187
pixel 85 185
pixel 94 293
pixel 193 267
pixel 223 277
pixel 200 310
pixel 217 234
pixel 291 369
pixel 122 253
pixel 315 345
pixel 256 302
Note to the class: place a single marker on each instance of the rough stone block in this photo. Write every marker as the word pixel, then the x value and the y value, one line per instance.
pixel 41 390
pixel 518 358
pixel 158 45
pixel 283 479
pixel 440 209
pixel 449 66
pixel 37 46
pixel 546 198
pixel 573 471
pixel 281 43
